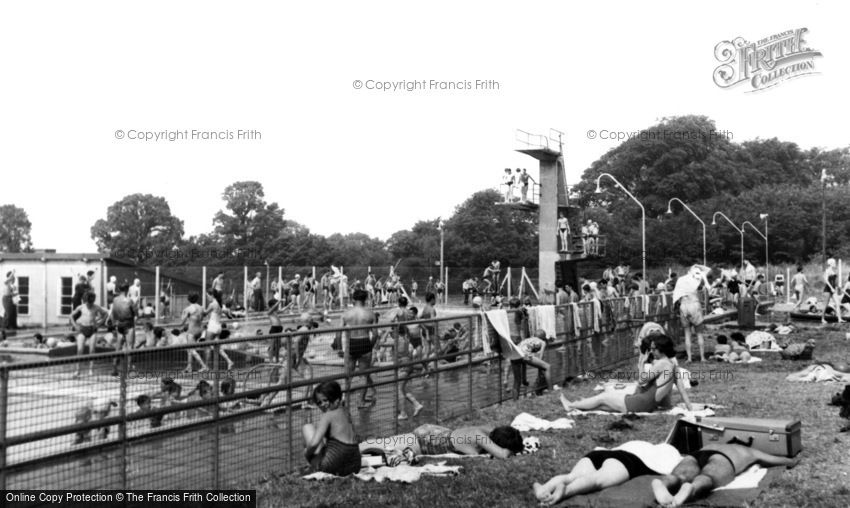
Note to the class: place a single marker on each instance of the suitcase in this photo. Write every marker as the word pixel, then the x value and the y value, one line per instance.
pixel 773 436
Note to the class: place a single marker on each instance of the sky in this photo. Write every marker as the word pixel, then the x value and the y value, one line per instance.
pixel 83 79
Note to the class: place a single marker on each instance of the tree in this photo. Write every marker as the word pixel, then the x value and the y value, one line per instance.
pixel 683 157
pixel 419 246
pixel 357 249
pixel 139 227
pixel 480 231
pixel 15 229
pixel 250 225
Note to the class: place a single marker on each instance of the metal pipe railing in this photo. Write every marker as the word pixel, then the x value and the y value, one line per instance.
pixel 580 339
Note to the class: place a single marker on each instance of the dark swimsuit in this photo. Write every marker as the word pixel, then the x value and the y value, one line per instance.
pixel 88 330
pixel 340 458
pixel 274 347
pixel 827 288
pixel 435 440
pixel 644 401
pixel 632 463
pixel 125 325
pixel 702 457
pixel 359 346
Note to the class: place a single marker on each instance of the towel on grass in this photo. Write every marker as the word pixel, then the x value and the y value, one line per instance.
pixel 819 372
pixel 403 473
pixel 749 479
pixel 455 456
pixel 638 492
pixel 525 422
pixel 676 411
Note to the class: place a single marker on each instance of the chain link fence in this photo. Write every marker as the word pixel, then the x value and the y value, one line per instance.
pixel 221 413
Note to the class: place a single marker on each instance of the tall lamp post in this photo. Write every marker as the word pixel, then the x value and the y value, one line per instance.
pixel 442 267
pixel 739 230
pixel 764 216
pixel 670 211
pixel 642 220
pixel 766 262
pixel 823 178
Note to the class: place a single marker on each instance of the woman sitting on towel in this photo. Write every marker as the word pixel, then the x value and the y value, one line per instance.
pixel 601 469
pixel 654 386
pixel 500 442
pixel 331 443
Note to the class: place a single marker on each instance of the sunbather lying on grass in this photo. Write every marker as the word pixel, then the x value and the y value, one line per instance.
pixel 500 442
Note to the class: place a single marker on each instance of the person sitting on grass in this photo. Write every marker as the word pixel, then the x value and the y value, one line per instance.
pixel 655 385
pixel 331 445
pixel 601 469
pixel 713 466
pixel 500 442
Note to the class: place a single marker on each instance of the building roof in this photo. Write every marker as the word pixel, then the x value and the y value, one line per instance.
pixel 86 257
pixel 51 256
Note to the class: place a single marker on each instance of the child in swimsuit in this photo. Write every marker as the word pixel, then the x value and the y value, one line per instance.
pixel 331 445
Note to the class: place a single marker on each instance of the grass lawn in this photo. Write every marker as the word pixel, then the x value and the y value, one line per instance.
pixel 757 390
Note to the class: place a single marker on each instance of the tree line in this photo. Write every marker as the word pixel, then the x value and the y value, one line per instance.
pixel 710 173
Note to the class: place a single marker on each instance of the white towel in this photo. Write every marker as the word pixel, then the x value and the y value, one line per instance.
pixel 525 422
pixel 645 304
pixel 407 474
pixel 576 318
pixel 597 314
pixel 457 456
pixel 545 320
pixel 749 479
pixel 510 351
pixel 402 473
pixel 499 320
pixel 676 411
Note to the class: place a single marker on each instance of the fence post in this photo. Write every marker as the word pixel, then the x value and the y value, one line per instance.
pixel 245 289
pixel 216 448
pixel 4 392
pixel 122 411
pixel 203 287
pixel 436 379
pixel 156 296
pixel 289 398
pixel 470 343
pixel 788 285
pixel 395 381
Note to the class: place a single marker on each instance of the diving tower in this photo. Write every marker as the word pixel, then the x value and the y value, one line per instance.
pixel 558 264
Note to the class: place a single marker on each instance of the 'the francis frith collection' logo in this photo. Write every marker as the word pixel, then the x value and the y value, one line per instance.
pixel 766 63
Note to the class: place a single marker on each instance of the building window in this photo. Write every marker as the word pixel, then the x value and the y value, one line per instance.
pixel 24 294
pixel 66 293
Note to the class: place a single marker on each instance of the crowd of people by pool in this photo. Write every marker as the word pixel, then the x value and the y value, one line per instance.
pixel 406 335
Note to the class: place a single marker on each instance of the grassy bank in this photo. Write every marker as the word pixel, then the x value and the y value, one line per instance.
pixel 757 390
